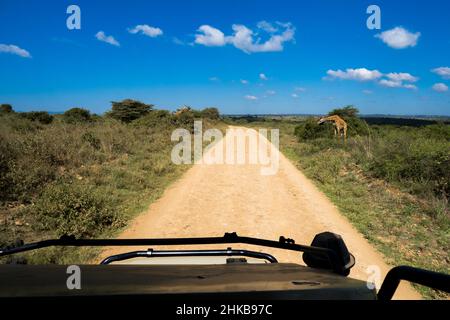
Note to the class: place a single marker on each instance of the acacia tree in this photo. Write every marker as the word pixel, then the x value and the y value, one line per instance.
pixel 346 112
pixel 128 110
pixel 6 108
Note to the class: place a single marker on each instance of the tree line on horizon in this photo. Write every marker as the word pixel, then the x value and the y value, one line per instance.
pixel 127 111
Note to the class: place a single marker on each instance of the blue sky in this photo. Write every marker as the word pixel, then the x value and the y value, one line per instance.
pixel 241 56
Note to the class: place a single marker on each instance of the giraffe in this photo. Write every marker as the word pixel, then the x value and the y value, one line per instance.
pixel 340 126
pixel 182 110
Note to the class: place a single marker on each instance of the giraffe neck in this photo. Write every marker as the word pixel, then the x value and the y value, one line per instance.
pixel 332 118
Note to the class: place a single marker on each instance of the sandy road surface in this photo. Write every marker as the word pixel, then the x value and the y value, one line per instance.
pixel 210 200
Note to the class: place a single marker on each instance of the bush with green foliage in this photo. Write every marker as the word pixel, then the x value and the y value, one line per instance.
pixel 437 131
pixel 92 140
pixel 310 130
pixel 41 116
pixel 411 157
pixel 128 110
pixel 6 163
pixel 156 118
pixel 210 113
pixel 357 127
pixel 6 108
pixel 76 115
pixel 72 209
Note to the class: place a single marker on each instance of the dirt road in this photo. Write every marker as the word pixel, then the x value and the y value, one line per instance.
pixel 210 200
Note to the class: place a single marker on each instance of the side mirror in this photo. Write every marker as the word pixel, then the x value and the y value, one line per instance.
pixel 344 259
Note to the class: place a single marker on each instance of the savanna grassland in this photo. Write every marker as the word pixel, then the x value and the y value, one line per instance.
pixel 82 174
pixel 87 175
pixel 391 181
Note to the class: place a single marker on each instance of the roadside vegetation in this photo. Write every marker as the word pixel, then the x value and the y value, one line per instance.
pixel 391 181
pixel 83 174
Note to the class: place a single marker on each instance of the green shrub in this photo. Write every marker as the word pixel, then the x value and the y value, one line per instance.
pixel 185 116
pixel 13 122
pixel 210 113
pixel 71 209
pixel 310 130
pixel 437 131
pixel 42 116
pixel 6 108
pixel 92 140
pixel 156 118
pixel 421 163
pixel 356 126
pixel 24 167
pixel 6 161
pixel 76 115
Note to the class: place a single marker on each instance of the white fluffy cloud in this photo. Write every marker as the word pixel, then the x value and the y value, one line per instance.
pixel 360 74
pixel 299 89
pixel 262 76
pixel 244 81
pixel 13 49
pixel 243 39
pixel 390 80
pixel 246 39
pixel 401 76
pixel 397 80
pixel 396 84
pixel 147 30
pixel 440 87
pixel 399 38
pixel 271 92
pixel 294 95
pixel 250 97
pixel 101 36
pixel 390 83
pixel 210 37
pixel 444 72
